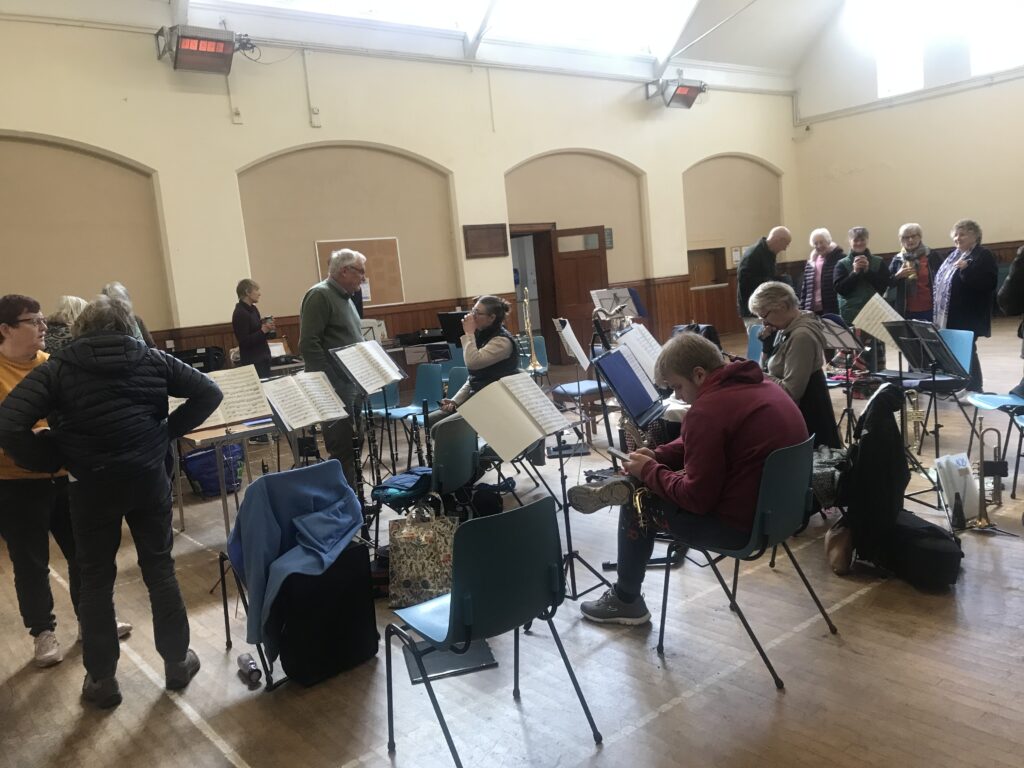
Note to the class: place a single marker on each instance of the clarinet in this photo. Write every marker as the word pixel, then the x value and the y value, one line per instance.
pixel 371 446
pixel 415 436
pixel 426 435
pixel 357 460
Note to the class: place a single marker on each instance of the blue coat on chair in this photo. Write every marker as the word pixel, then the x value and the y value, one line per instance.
pixel 297 521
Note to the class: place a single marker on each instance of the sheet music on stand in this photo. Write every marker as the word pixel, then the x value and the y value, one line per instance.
pixel 610 298
pixel 512 413
pixel 304 399
pixel 368 365
pixel 922 344
pixel 244 399
pixel 643 345
pixel 874 316
pixel 571 344
pixel 838 337
pixel 632 387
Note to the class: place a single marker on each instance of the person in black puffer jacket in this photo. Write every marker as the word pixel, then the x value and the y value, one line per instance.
pixel 105 396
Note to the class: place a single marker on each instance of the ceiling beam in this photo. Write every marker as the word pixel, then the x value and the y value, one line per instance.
pixel 661 65
pixel 472 46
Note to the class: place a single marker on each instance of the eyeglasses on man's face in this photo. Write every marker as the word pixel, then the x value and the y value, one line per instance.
pixel 358 270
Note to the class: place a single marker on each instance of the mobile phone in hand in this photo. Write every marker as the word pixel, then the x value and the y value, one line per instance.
pixel 620 455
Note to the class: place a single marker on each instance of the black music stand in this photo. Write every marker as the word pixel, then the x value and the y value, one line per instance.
pixel 924 349
pixel 843 339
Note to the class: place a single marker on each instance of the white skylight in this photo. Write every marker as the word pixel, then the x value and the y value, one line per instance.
pixel 460 15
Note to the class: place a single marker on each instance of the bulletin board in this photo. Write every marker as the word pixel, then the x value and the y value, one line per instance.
pixel 383 267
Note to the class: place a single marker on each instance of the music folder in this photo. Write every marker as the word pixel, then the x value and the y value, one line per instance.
pixel 633 389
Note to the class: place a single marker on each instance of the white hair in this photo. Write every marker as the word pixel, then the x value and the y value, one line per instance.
pixel 819 231
pixel 346 257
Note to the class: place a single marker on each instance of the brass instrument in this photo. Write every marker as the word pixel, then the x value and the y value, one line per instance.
pixel 982 523
pixel 534 367
pixel 617 319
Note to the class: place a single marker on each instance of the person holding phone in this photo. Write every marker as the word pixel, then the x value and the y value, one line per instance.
pixel 250 329
pixel 963 290
pixel 703 485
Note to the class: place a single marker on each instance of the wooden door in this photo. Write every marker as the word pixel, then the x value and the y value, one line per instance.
pixel 578 267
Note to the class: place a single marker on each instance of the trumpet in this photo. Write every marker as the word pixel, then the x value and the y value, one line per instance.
pixel 982 522
pixel 534 367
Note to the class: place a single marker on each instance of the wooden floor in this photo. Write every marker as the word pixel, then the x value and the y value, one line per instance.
pixel 913 679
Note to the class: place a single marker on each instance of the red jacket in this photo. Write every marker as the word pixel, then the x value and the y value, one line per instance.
pixel 735 421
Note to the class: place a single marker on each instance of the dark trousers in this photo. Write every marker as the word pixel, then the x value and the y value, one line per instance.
pixel 339 440
pixel 29 511
pixel 636 541
pixel 97 511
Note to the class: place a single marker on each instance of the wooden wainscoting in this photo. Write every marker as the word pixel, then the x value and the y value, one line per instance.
pixel 400 318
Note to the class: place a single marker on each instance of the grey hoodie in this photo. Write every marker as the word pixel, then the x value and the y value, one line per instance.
pixel 799 352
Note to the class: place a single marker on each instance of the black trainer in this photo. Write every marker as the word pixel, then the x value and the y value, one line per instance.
pixel 105 694
pixel 180 674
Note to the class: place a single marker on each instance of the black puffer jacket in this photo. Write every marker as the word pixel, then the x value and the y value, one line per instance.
pixel 105 397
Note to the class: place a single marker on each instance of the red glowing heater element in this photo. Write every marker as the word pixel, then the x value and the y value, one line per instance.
pixel 684 93
pixel 197 49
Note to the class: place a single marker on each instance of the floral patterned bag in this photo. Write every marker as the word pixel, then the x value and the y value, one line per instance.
pixel 421 556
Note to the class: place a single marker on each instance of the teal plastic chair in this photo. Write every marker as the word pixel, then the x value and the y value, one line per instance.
pixel 506 572
pixel 458 376
pixel 428 387
pixel 456 455
pixel 754 345
pixel 782 502
pixel 540 347
pixel 960 343
pixel 378 399
pixel 1012 405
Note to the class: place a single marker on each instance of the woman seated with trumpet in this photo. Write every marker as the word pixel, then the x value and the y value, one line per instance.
pixel 490 350
pixel 797 356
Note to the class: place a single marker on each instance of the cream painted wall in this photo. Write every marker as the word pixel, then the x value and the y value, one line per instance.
pixel 107 90
pixel 931 161
pixel 574 189
pixel 730 202
pixel 290 201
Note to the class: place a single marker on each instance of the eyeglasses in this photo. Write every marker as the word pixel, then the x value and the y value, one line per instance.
pixel 909 237
pixel 361 271
pixel 38 321
pixel 480 313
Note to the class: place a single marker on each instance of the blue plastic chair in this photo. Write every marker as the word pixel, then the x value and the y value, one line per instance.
pixel 1012 405
pixel 960 343
pixel 506 572
pixel 458 376
pixel 428 387
pixel 782 504
pixel 754 345
pixel 540 347
pixel 388 395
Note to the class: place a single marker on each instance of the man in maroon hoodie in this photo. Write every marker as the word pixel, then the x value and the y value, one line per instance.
pixel 709 476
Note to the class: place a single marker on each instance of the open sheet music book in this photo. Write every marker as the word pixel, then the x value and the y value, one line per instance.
pixel 644 347
pixel 243 398
pixel 571 343
pixel 304 399
pixel 511 414
pixel 368 365
pixel 876 312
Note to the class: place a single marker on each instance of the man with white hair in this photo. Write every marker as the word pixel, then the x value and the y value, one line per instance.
pixel 329 319
pixel 758 266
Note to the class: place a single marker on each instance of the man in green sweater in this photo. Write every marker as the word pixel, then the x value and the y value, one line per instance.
pixel 329 319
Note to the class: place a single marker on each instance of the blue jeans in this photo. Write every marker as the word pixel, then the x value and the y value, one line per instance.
pixel 98 508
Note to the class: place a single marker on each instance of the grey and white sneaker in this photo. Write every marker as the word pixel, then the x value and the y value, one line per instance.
pixel 612 492
pixel 609 609
pixel 47 649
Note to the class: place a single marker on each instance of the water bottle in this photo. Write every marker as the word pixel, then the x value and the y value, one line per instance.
pixel 248 670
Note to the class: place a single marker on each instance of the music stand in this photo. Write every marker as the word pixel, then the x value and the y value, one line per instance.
pixel 923 347
pixel 451 326
pixel 838 337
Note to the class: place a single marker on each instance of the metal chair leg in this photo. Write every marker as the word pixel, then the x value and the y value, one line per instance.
pixel 222 559
pixel 575 682
pixel 515 664
pixel 771 562
pixel 735 585
pixel 753 638
pixel 1016 467
pixel 669 554
pixel 410 643
pixel 814 595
